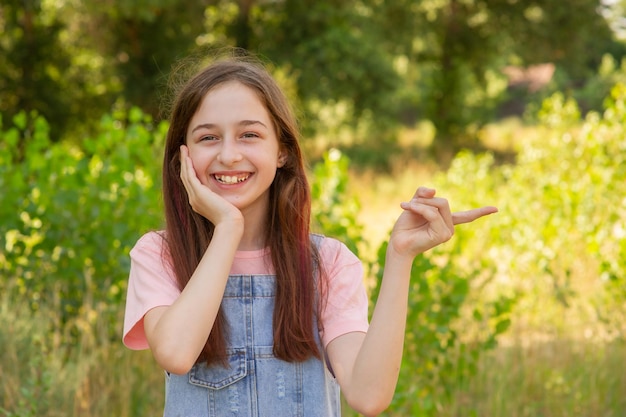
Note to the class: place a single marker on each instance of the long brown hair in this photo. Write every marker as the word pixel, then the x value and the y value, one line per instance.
pixel 188 234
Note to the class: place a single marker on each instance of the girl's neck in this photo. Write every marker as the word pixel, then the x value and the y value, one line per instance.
pixel 251 244
pixel 253 234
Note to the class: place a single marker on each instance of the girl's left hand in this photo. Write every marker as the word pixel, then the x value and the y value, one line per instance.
pixel 427 221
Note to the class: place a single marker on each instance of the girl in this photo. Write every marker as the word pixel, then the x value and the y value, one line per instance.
pixel 248 312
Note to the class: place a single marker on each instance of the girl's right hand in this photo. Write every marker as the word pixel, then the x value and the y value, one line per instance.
pixel 202 200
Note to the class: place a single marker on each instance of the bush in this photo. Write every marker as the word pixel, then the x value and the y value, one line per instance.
pixel 71 212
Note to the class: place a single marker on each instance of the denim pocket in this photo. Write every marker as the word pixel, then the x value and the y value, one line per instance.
pixel 217 376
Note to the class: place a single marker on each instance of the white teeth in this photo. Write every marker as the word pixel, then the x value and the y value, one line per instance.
pixel 227 179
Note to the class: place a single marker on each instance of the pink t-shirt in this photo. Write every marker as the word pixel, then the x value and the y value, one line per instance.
pixel 152 283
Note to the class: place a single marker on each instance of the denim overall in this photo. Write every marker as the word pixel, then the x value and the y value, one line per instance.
pixel 256 384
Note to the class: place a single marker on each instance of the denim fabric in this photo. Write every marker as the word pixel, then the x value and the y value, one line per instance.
pixel 256 384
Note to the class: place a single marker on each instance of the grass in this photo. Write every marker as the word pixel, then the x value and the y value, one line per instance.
pixel 559 378
pixel 100 378
pixel 46 375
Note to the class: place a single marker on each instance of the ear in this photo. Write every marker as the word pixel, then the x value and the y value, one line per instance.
pixel 282 158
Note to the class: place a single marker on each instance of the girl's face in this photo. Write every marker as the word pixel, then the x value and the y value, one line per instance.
pixel 234 147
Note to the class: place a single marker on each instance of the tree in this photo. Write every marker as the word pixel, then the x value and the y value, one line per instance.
pixel 73 63
pixel 33 63
pixel 454 47
pixel 143 39
pixel 380 61
pixel 329 49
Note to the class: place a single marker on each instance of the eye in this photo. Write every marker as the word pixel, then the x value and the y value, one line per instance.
pixel 249 135
pixel 207 138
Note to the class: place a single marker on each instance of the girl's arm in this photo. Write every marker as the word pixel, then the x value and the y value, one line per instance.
pixel 177 333
pixel 367 364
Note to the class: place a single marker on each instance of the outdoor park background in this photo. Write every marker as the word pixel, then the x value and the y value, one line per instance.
pixel 518 104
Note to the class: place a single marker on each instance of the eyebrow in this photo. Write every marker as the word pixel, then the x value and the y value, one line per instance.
pixel 241 123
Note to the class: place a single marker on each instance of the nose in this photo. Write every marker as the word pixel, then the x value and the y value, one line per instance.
pixel 229 152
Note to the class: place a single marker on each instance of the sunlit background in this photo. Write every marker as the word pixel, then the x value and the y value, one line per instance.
pixel 514 103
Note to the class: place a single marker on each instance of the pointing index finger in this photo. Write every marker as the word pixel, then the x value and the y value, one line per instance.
pixel 468 216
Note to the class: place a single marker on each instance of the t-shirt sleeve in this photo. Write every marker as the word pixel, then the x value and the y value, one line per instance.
pixel 151 283
pixel 345 310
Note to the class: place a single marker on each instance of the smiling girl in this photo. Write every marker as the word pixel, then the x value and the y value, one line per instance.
pixel 247 311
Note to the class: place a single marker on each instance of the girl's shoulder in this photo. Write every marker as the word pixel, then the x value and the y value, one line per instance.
pixel 152 254
pixel 152 241
pixel 332 250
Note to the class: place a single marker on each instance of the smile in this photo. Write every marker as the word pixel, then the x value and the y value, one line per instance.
pixel 231 179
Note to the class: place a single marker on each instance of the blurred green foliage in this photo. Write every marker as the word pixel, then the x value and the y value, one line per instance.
pixel 563 214
pixel 386 62
pixel 335 214
pixel 72 210
pixel 441 352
